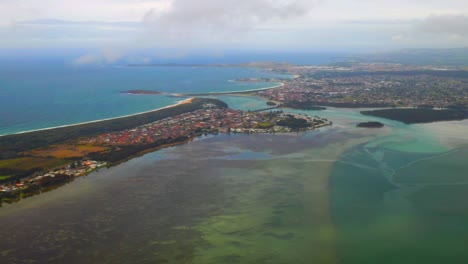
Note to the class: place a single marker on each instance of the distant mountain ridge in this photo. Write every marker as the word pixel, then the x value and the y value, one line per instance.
pixel 447 57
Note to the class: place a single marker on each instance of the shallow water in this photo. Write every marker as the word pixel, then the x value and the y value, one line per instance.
pixel 336 195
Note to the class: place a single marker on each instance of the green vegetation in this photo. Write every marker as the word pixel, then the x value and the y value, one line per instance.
pixel 122 153
pixel 4 177
pixel 28 163
pixel 414 116
pixel 265 125
pixel 293 123
pixel 25 166
pixel 371 125
pixel 304 106
pixel 352 104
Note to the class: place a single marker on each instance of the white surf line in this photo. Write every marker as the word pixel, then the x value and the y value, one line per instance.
pixel 97 121
pixel 229 92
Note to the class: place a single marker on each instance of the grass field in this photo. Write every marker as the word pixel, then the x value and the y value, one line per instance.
pixel 45 159
pixel 28 163
pixel 65 151
pixel 4 177
pixel 265 125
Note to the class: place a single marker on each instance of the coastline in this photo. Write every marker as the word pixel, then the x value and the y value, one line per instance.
pixel 232 92
pixel 151 150
pixel 184 101
pixel 181 102
pixel 11 145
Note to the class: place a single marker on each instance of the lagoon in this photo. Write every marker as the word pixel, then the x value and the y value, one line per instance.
pixel 336 195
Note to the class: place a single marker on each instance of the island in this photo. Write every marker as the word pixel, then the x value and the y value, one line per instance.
pixel 370 125
pixel 419 115
pixel 303 106
pixel 38 161
pixel 141 92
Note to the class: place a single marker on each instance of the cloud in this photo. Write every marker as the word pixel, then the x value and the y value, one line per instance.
pixel 397 38
pixel 456 25
pixel 91 23
pixel 192 20
pixel 185 26
pixel 103 57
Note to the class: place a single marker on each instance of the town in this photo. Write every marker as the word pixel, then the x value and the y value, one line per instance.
pixel 42 181
pixel 210 120
pixel 373 85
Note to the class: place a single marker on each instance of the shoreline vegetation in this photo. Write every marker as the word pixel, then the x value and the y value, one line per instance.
pixel 418 116
pixel 303 106
pixel 55 157
pixel 370 124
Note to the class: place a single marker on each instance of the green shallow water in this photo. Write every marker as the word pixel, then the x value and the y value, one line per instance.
pixel 336 195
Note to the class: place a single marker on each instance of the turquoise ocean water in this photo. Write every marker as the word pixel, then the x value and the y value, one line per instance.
pixel 36 97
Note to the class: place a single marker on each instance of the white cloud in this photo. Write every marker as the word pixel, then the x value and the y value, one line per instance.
pixel 104 57
pixel 397 38
pixel 188 20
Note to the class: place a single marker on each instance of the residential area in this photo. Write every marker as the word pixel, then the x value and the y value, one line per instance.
pixel 209 120
pixel 374 85
pixel 43 180
pixel 213 120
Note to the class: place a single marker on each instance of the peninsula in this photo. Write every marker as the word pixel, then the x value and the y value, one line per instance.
pixel 37 161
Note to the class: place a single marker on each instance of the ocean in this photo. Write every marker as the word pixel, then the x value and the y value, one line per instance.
pixel 337 195
pixel 52 95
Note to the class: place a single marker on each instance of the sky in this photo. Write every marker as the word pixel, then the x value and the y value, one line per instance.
pixel 183 26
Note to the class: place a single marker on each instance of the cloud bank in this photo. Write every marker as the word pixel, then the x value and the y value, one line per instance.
pixel 445 25
pixel 208 25
pixel 185 19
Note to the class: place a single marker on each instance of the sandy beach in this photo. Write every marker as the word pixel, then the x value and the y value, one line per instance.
pixel 185 101
pixel 233 92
